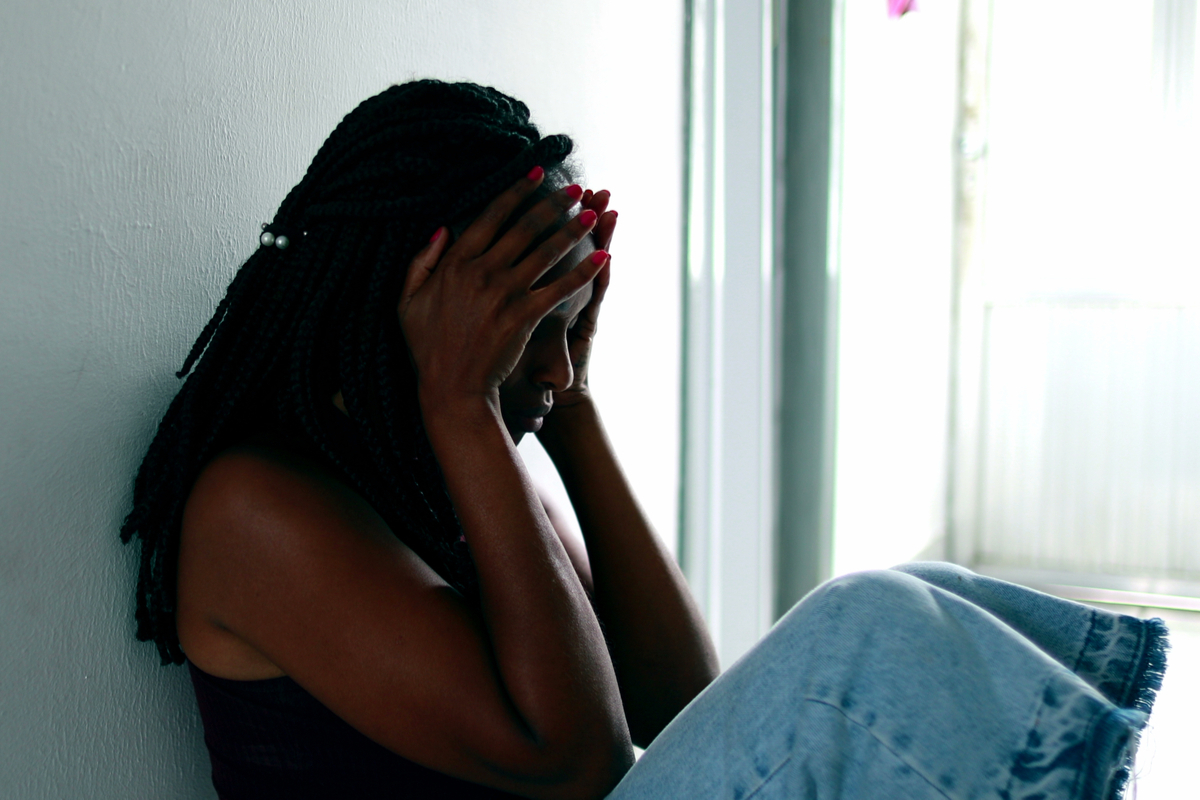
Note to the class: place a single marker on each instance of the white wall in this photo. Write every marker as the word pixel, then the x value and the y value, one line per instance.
pixel 141 144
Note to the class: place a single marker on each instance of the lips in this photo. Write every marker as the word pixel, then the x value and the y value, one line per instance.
pixel 530 420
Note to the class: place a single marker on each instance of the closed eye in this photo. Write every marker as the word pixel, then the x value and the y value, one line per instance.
pixel 549 326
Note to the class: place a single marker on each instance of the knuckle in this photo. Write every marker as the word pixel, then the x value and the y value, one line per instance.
pixel 481 280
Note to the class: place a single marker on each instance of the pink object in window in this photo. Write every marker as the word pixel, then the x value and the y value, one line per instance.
pixel 898 8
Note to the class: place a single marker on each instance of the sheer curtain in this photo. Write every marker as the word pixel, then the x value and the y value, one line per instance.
pixel 1083 454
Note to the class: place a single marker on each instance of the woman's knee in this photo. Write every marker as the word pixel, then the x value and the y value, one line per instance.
pixel 870 588
pixel 862 600
pixel 938 573
pixel 841 622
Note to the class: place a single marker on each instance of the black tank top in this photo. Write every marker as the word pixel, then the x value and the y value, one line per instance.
pixel 272 740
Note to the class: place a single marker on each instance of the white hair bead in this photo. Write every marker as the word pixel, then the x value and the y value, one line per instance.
pixel 282 242
pixel 268 239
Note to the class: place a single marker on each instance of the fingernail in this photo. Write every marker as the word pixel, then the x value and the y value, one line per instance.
pixel 587 218
pixel 614 214
pixel 574 191
pixel 436 235
pixel 599 256
pixel 535 174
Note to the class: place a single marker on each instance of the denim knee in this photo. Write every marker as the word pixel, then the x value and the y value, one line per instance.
pixel 938 573
pixel 872 587
pixel 871 599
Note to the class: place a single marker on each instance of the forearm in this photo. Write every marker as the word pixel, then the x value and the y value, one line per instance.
pixel 549 650
pixel 661 647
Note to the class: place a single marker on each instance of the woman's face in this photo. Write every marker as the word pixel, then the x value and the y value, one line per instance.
pixel 527 395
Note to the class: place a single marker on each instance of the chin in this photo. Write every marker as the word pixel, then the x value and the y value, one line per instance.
pixel 515 432
pixel 518 426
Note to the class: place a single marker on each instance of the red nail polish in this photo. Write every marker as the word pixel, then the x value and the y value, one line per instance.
pixel 599 257
pixel 587 218
pixel 614 214
pixel 436 235
pixel 574 191
pixel 535 174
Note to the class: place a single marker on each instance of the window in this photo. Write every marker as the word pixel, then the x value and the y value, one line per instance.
pixel 1079 290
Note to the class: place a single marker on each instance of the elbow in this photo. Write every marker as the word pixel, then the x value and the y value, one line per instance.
pixel 587 768
pixel 619 762
pixel 597 767
pixel 598 779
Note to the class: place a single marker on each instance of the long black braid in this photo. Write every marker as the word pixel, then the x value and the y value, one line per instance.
pixel 299 323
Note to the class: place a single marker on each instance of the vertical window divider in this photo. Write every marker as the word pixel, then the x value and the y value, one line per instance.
pixel 728 508
pixel 968 322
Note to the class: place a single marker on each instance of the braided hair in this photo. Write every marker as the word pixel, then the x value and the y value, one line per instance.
pixel 298 323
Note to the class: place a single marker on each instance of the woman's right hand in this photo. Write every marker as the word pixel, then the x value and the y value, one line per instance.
pixel 467 310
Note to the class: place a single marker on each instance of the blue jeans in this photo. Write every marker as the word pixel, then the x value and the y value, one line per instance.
pixel 926 681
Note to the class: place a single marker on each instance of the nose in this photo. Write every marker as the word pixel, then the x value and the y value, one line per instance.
pixel 550 366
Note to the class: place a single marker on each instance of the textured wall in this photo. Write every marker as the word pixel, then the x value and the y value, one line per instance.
pixel 141 144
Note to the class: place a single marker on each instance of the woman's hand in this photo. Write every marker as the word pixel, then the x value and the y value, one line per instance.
pixel 467 311
pixel 581 334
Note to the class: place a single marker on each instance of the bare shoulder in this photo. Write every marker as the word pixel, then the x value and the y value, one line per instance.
pixel 261 519
pixel 253 491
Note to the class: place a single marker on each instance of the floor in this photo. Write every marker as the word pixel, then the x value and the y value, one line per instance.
pixel 1166 763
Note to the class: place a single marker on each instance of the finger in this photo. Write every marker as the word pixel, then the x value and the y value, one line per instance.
pixel 604 228
pixel 550 295
pixel 603 232
pixel 548 253
pixel 599 287
pixel 586 324
pixel 547 213
pixel 424 262
pixel 599 201
pixel 482 231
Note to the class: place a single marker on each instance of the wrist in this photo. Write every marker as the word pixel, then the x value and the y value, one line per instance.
pixel 566 424
pixel 441 409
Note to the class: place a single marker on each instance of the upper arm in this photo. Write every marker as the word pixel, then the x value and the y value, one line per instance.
pixel 312 578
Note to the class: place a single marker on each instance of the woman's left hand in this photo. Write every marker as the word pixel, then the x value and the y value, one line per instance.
pixel 581 334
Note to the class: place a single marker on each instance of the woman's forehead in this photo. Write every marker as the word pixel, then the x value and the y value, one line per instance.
pixel 570 260
pixel 570 308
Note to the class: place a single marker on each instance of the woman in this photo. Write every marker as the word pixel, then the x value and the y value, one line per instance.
pixel 340 537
